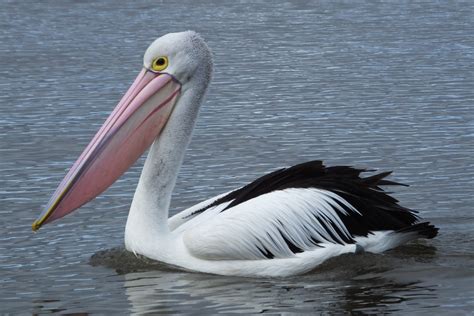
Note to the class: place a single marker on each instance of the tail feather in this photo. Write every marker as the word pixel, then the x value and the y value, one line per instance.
pixel 422 230
pixel 381 241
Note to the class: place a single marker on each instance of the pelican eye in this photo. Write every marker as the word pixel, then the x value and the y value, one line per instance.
pixel 159 63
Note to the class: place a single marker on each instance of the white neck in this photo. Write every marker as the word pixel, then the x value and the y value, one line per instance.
pixel 147 222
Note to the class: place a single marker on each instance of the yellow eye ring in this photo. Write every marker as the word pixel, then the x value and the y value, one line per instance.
pixel 159 63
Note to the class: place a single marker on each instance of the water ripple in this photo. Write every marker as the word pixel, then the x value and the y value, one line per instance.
pixel 375 85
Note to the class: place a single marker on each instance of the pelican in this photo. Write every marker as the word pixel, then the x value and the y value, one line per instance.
pixel 284 223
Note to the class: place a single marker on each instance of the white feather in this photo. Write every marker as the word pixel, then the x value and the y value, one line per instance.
pixel 245 230
pixel 233 241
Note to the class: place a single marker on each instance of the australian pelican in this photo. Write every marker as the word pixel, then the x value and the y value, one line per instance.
pixel 284 223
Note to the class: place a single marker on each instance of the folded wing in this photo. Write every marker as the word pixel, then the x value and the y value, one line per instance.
pixel 292 211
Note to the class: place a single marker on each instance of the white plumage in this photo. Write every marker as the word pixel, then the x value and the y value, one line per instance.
pixel 284 223
pixel 260 225
pixel 292 224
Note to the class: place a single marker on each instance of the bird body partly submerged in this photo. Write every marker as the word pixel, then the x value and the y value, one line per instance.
pixel 284 223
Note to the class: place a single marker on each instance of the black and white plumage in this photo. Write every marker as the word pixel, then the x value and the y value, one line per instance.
pixel 284 223
pixel 300 209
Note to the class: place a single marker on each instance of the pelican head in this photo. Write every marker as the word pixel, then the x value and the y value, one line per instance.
pixel 172 65
pixel 186 56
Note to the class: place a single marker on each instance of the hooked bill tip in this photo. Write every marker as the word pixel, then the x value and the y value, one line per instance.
pixel 36 225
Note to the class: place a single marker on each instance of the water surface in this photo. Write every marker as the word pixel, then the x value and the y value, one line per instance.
pixel 380 85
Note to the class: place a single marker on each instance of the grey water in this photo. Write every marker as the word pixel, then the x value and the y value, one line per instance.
pixel 378 85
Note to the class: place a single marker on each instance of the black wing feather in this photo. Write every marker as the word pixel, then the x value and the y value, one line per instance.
pixel 378 210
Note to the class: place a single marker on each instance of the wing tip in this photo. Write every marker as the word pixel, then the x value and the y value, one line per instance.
pixel 424 230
